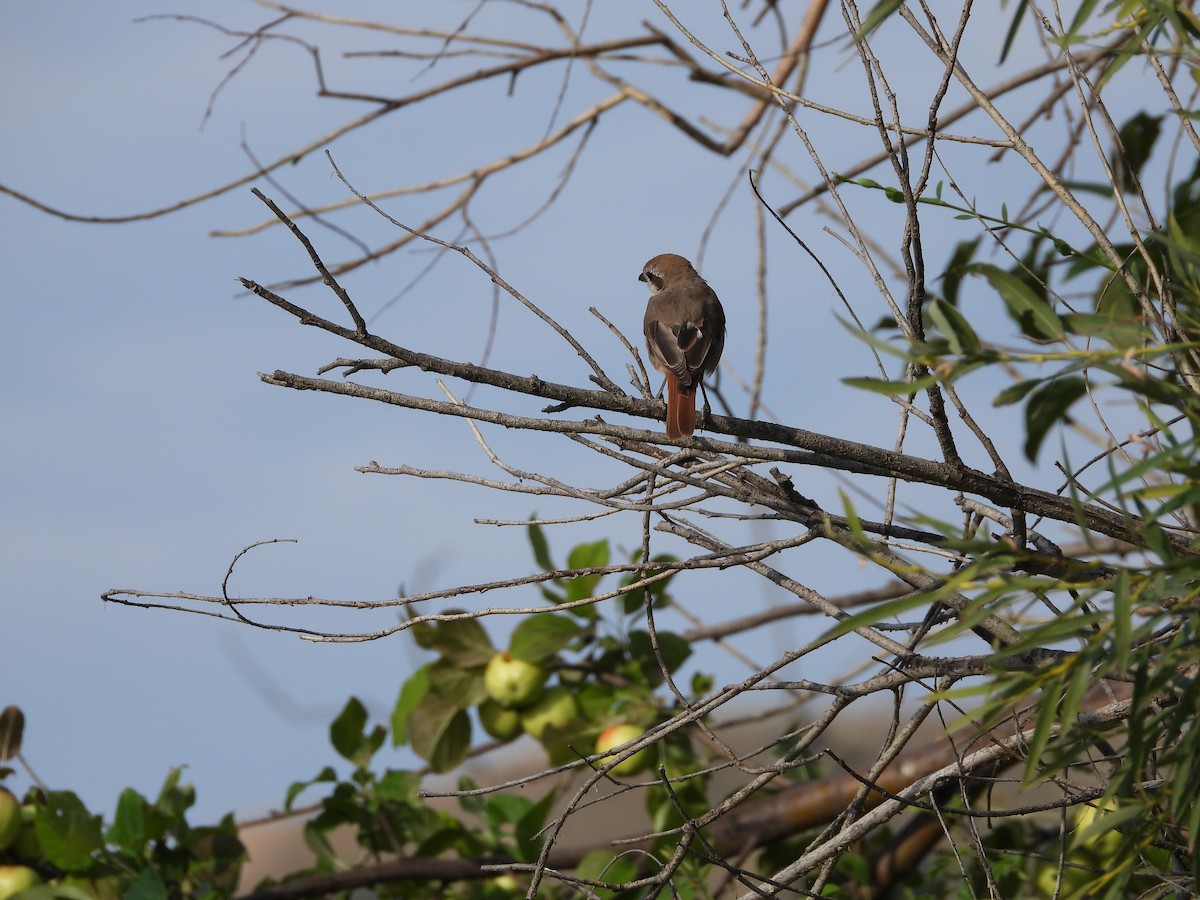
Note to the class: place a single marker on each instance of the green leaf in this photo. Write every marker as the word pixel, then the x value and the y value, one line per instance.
pixel 539 637
pixel 634 601
pixel 414 689
pixel 348 736
pixel 607 866
pixel 541 549
pixel 401 786
pixel 147 886
pixel 452 748
pixel 586 556
pixel 952 277
pixel 506 809
pixel 954 325
pixel 1012 29
pixel 595 700
pixel 317 841
pixel 346 731
pixel 1122 640
pixel 891 388
pixel 326 775
pixel 1033 314
pixel 440 732
pixel 1046 720
pixel 462 641
pixel 880 612
pixel 67 832
pixel 461 686
pixel 128 830
pixel 1137 138
pixel 1015 393
pixel 876 17
pixel 173 799
pixel 1048 407
pixel 529 827
pixel 674 650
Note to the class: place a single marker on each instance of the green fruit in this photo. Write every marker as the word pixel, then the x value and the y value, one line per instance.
pixel 513 682
pixel 556 708
pixel 27 847
pixel 14 879
pixel 10 818
pixel 502 724
pixel 615 736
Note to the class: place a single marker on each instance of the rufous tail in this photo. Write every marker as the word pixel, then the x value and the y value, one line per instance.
pixel 681 410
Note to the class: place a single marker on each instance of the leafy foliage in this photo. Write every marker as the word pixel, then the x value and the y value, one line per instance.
pixel 1088 688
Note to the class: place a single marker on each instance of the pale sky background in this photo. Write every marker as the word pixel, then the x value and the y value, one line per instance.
pixel 141 450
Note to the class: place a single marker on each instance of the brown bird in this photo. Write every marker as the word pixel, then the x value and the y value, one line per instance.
pixel 685 334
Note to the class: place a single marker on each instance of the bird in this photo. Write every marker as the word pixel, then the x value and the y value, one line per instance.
pixel 685 334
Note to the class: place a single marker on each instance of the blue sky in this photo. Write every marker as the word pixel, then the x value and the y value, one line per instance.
pixel 142 451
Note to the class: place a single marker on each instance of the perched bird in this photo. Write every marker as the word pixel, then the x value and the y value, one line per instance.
pixel 685 333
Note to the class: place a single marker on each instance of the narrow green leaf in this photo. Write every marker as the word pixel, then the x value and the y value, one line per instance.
pixel 1015 393
pixel 956 268
pixel 1081 15
pixel 1048 407
pixel 877 16
pixel 880 612
pixel 891 388
pixel 1034 316
pixel 1122 639
pixel 1046 720
pixel 954 325
pixel 541 549
pixel 1137 138
pixel 1011 35
pixel 1081 678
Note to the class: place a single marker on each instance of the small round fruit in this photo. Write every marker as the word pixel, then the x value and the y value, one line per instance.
pixel 14 879
pixel 513 682
pixel 615 736
pixel 502 724
pixel 10 818
pixel 27 847
pixel 555 708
